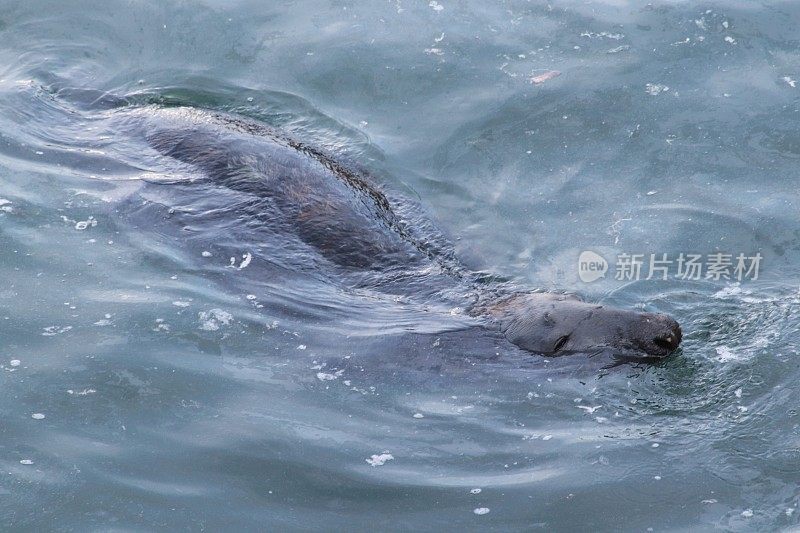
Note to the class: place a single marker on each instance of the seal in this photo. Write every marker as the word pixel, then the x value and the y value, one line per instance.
pixel 315 204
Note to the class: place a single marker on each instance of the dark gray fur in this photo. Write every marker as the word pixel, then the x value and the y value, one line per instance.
pixel 356 227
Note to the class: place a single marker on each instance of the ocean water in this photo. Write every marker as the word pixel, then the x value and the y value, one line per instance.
pixel 147 385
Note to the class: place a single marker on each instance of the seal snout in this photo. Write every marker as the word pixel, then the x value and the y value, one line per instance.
pixel 668 338
pixel 668 342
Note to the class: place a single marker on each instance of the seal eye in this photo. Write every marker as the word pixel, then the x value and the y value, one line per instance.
pixel 560 343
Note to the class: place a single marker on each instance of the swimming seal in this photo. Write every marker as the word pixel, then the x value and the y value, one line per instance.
pixel 321 206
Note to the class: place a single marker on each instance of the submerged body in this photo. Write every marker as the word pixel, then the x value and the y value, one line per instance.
pixel 319 206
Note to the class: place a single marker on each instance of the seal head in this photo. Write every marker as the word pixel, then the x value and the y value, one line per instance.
pixel 558 324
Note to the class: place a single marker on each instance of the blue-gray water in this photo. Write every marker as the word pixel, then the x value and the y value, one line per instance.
pixel 179 393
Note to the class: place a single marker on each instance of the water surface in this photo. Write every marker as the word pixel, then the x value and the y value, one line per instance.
pixel 179 393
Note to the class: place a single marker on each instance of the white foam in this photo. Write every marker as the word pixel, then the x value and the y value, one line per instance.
pixel 83 224
pixel 436 6
pixel 654 89
pixel 50 331
pixel 325 376
pixel 725 354
pixel 380 459
pixel 213 319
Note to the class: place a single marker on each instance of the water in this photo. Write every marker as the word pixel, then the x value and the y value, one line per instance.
pixel 179 393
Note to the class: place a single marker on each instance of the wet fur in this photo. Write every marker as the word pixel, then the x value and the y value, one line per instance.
pixel 354 225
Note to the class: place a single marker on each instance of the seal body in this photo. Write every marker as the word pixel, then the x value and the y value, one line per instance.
pixel 317 205
pixel 333 209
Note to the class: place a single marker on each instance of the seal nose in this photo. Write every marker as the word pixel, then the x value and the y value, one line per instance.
pixel 670 339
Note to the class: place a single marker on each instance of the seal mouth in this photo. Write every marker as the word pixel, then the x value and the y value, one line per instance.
pixel 668 343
